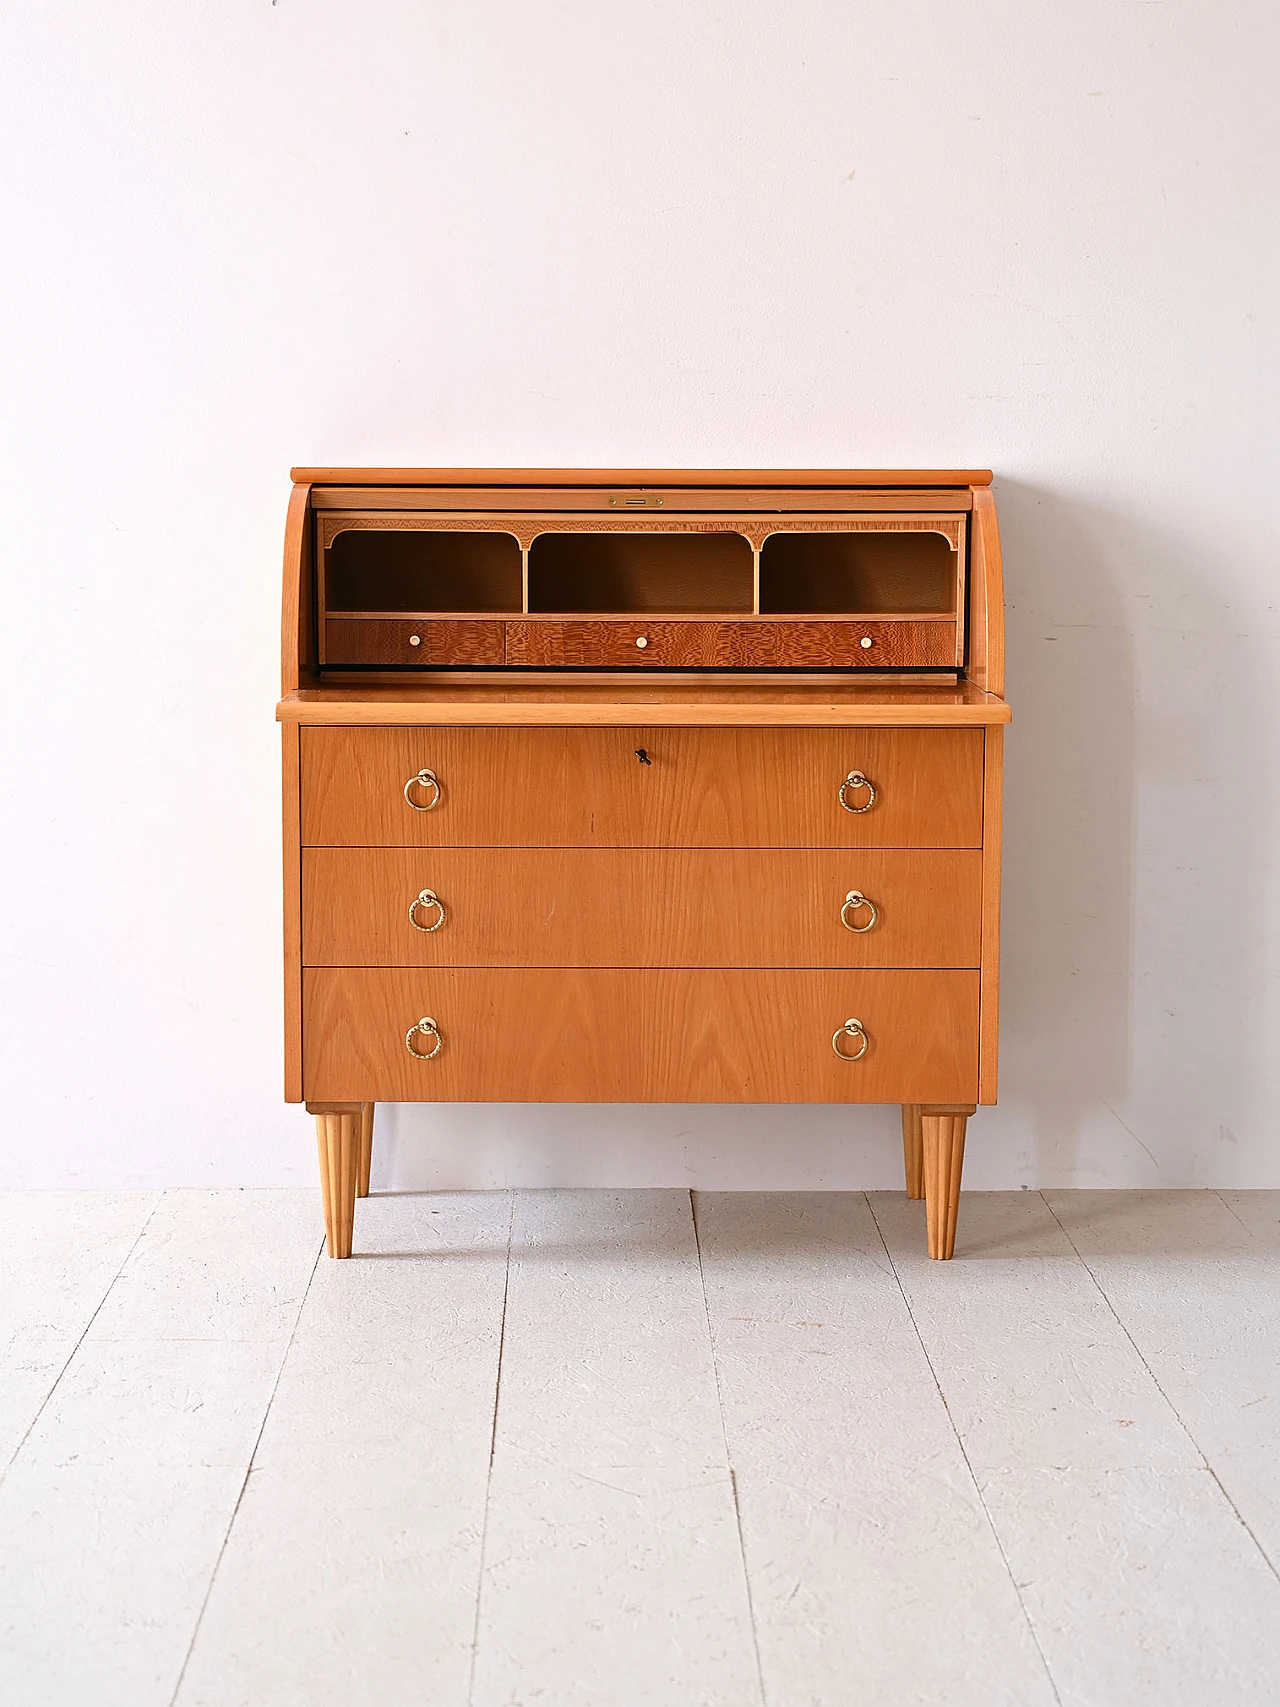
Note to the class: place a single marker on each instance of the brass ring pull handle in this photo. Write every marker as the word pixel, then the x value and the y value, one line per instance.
pixel 427 898
pixel 852 901
pixel 855 779
pixel 424 779
pixel 850 1028
pixel 427 1028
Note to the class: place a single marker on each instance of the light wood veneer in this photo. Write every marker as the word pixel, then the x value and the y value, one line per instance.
pixel 463 700
pixel 668 1035
pixel 537 787
pixel 640 852
pixel 645 478
pixel 641 907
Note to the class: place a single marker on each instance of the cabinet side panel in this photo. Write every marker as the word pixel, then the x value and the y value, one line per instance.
pixel 292 827
pixel 989 1011
pixel 986 596
pixel 297 627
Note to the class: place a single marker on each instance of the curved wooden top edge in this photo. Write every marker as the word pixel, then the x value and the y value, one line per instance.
pixel 967 707
pixel 643 476
pixel 986 627
pixel 293 618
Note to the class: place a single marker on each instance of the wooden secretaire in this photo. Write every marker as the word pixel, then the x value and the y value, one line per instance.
pixel 642 785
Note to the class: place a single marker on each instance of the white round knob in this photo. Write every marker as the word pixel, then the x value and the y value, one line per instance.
pixel 416 640
pixel 865 641
pixel 642 641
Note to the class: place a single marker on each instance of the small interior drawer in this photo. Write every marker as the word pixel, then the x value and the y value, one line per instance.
pixel 376 642
pixel 743 645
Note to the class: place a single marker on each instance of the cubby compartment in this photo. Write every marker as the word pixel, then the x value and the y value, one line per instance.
pixel 864 573
pixel 414 590
pixel 642 573
pixel 384 569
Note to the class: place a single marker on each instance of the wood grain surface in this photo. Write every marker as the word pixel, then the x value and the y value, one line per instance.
pixel 640 907
pixel 588 787
pixel 501 498
pixel 644 476
pixel 297 612
pixel 684 702
pixel 292 850
pixel 755 526
pixel 410 640
pixel 992 816
pixel 770 643
pixel 642 872
pixel 641 1036
pixel 986 597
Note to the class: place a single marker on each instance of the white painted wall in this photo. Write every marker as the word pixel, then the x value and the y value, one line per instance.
pixel 242 235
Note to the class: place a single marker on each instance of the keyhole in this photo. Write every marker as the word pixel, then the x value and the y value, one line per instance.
pixel 643 756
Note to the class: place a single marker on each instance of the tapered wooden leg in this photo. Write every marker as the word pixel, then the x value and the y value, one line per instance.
pixel 338 1140
pixel 913 1149
pixel 366 1150
pixel 942 1129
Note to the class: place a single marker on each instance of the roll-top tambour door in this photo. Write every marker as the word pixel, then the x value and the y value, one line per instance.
pixel 641 907
pixel 637 787
pixel 600 1035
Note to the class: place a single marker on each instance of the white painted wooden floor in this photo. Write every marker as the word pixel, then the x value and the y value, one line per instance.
pixel 621 1448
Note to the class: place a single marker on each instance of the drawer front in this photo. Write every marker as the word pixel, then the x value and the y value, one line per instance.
pixel 587 787
pixel 379 641
pixel 756 645
pixel 639 1036
pixel 640 907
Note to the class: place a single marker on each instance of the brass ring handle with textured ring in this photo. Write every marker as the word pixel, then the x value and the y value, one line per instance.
pixel 852 901
pixel 424 779
pixel 428 1028
pixel 855 779
pixel 850 1028
pixel 426 898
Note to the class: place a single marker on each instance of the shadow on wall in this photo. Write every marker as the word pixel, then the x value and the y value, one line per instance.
pixel 1133 1049
pixel 705 1146
pixel 1068 836
pixel 1132 1046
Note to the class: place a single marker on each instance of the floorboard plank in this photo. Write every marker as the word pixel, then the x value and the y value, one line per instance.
pixel 351 1572
pixel 1142 1586
pixel 875 1574
pixel 1194 1277
pixel 59 1253
pixel 1259 1211
pixel 1144 1589
pixel 217 1265
pixel 708 1464
pixel 613 1572
pixel 1034 1367
pixel 115 1508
